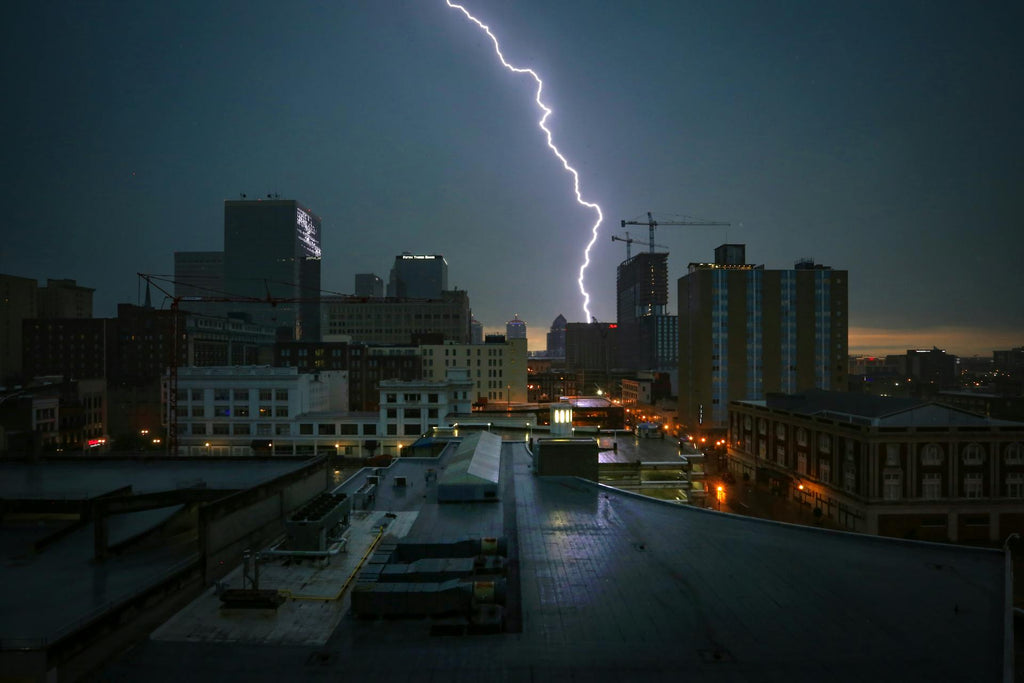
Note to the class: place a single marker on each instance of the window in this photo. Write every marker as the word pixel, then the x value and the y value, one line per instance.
pixel 241 395
pixel 221 394
pixel 931 455
pixel 392 413
pixel 390 398
pixel 801 436
pixel 413 413
pixel 825 471
pixel 241 411
pixel 1014 454
pixel 221 428
pixel 221 411
pixel 263 430
pixel 282 429
pixel 824 443
pixel 241 428
pixel 199 428
pixel 197 394
pixel 1015 485
pixel 349 429
pixel 198 411
pixel 432 413
pixel 412 429
pixel 972 485
pixel 392 429
pixel 306 428
pixel 280 411
pixel 892 484
pixel 431 398
pixel 280 394
pixel 326 429
pixel 780 432
pixel 892 455
pixel 265 411
pixel 973 454
pixel 931 486
pixel 369 429
pixel 265 394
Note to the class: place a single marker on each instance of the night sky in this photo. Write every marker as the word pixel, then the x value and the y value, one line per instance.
pixel 884 138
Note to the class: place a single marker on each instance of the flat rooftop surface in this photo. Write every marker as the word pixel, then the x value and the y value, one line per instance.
pixel 42 594
pixel 617 587
pixel 87 478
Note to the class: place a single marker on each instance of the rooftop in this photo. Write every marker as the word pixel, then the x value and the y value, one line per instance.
pixel 604 585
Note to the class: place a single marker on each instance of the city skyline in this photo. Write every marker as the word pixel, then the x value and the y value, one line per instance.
pixel 875 139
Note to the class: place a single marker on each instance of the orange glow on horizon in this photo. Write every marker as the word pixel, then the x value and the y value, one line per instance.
pixel 960 341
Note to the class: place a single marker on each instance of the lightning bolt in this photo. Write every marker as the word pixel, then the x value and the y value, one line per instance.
pixel 542 124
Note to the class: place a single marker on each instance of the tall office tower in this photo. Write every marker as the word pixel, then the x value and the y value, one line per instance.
pixel 745 332
pixel 198 273
pixel 515 328
pixel 648 336
pixel 272 247
pixel 369 285
pixel 556 338
pixel 476 331
pixel 418 276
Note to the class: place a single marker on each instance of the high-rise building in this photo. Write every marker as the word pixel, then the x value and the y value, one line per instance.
pixel 198 273
pixel 745 332
pixel 556 338
pixel 418 276
pixel 476 331
pixel 647 334
pixel 369 285
pixel 515 328
pixel 272 247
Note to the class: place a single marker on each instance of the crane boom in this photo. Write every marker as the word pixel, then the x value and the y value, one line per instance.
pixel 629 242
pixel 652 224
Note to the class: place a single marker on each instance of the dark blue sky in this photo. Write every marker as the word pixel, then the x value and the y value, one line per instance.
pixel 883 138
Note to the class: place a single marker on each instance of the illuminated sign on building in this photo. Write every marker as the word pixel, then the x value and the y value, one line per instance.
pixel 307 232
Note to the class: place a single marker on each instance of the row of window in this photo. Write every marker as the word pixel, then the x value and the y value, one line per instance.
pixel 239 395
pixel 931 485
pixel 279 429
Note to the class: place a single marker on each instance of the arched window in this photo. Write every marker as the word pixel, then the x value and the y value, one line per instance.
pixel 973 454
pixel 1014 454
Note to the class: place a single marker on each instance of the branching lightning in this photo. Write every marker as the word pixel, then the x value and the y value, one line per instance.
pixel 551 145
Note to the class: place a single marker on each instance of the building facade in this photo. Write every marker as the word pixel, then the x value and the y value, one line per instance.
pixel 497 369
pixel 745 331
pixel 890 466
pixel 365 364
pixel 515 328
pixel 272 248
pixel 369 285
pixel 396 321
pixel 243 411
pixel 592 353
pixel 418 276
pixel 198 273
pixel 556 337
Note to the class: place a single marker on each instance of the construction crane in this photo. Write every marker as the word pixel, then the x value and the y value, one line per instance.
pixel 175 359
pixel 629 241
pixel 652 224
